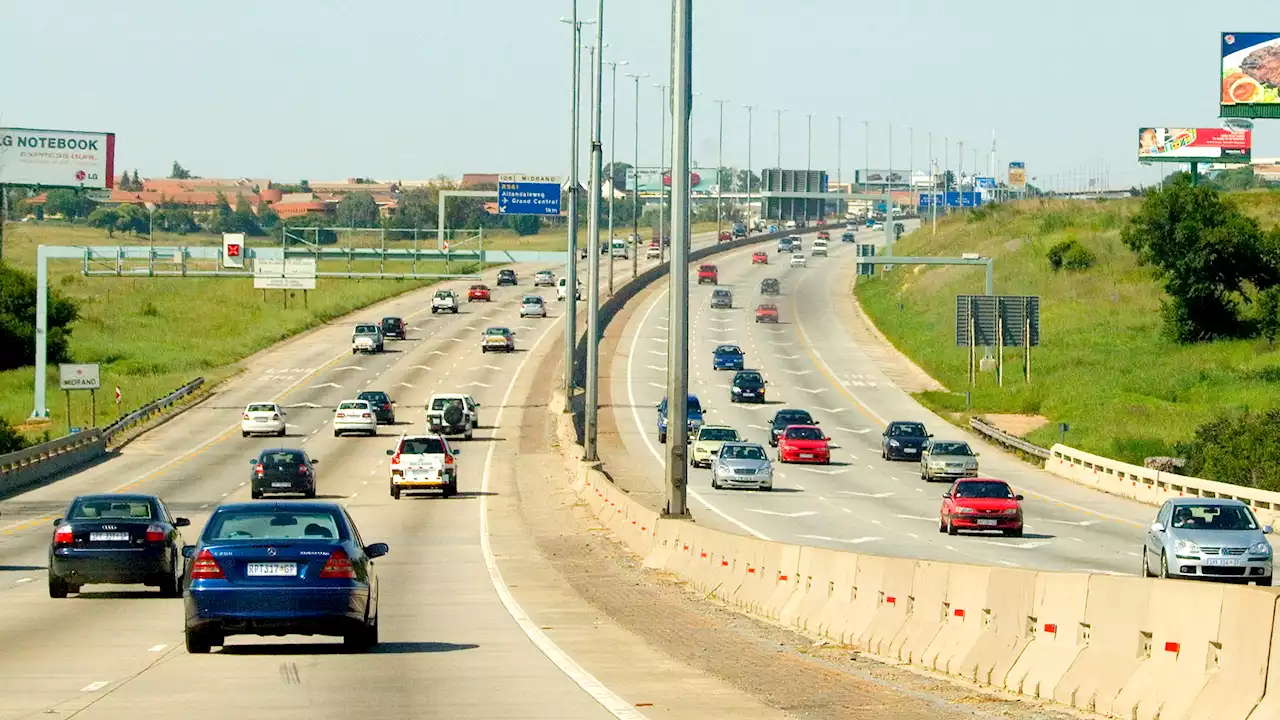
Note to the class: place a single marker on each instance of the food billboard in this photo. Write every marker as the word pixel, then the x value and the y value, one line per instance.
pixel 1170 144
pixel 1250 75
pixel 1017 175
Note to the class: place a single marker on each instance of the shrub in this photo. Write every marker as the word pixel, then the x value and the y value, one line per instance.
pixel 1241 448
pixel 10 440
pixel 1070 255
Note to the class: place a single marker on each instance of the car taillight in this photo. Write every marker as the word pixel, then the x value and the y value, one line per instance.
pixel 62 535
pixel 386 406
pixel 341 415
pixel 365 415
pixel 155 533
pixel 275 416
pixel 338 566
pixel 302 469
pixel 448 458
pixel 205 567
pixel 246 416
pixel 258 469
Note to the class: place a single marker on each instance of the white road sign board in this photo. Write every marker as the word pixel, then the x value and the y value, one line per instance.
pixel 286 274
pixel 79 377
pixel 57 158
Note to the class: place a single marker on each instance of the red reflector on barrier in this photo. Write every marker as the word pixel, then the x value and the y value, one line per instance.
pixel 891 600
pixel 704 554
pixel 751 571
pixel 1051 628
pixel 724 563
pixel 959 613
pixel 686 547
pixel 782 578
pixel 1171 647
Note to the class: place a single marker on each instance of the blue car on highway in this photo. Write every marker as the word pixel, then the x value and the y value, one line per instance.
pixel 694 407
pixel 727 357
pixel 281 568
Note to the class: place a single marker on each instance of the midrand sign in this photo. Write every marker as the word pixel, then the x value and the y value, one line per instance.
pixel 57 158
pixel 79 377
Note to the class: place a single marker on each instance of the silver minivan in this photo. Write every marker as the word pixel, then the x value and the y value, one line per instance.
pixel 1210 539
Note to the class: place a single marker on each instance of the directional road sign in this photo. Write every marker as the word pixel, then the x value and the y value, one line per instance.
pixel 528 195
pixel 293 273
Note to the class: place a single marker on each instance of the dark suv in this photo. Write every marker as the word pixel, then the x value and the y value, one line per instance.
pixel 282 470
pixel 507 277
pixel 770 286
pixel 393 327
pixel 903 440
pixel 784 418
pixel 384 409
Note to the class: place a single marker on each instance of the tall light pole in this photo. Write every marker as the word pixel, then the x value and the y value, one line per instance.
pixel 808 159
pixel 933 184
pixel 911 158
pixel 613 159
pixel 840 206
pixel 720 173
pixel 662 173
pixel 866 158
pixel 780 111
pixel 571 264
pixel 677 467
pixel 750 110
pixel 592 410
pixel 635 188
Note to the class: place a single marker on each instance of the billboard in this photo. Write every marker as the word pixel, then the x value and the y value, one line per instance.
pixel 57 158
pixel 881 178
pixel 1169 144
pixel 651 180
pixel 1017 174
pixel 1250 75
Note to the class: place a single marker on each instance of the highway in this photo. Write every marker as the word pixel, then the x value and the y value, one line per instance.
pixel 813 360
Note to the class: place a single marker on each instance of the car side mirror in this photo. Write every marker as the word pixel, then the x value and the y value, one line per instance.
pixel 188 551
pixel 391 452
pixel 181 522
pixel 930 434
pixel 57 521
pixel 253 461
pixel 315 461
pixel 946 496
pixel 1017 497
pixel 377 550
pixel 457 451
pixel 1157 527
pixel 977 454
pixel 1266 529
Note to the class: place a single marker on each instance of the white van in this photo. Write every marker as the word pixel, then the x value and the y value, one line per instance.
pixel 820 247
pixel 620 249
pixel 562 288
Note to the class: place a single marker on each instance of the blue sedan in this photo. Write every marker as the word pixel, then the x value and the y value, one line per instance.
pixel 281 568
pixel 727 357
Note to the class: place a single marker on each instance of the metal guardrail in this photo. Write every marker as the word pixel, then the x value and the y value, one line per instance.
pixel 36 454
pixel 146 412
pixel 1001 437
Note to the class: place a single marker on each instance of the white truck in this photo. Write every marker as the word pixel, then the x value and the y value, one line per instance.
pixel 366 338
pixel 453 415
pixel 819 248
pixel 423 462
pixel 444 301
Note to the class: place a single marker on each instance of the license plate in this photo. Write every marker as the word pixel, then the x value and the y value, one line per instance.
pixel 108 537
pixel 988 522
pixel 272 570
pixel 259 419
pixel 806 456
pixel 1224 562
pixel 909 451
pixel 281 484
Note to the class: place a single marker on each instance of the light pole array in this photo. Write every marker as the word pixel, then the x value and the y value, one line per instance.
pixel 592 409
pixel 750 110
pixel 635 186
pixel 779 111
pixel 571 263
pixel 720 173
pixel 662 172
pixel 613 159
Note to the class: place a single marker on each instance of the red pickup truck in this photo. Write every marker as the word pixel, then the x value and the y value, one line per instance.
pixel 708 274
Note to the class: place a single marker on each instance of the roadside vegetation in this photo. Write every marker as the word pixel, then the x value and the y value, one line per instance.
pixel 1159 319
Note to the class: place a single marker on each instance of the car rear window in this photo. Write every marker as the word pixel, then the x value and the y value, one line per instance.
pixel 110 509
pixel 496 331
pixel 708 268
pixel 422 446
pixel 983 489
pixel 793 418
pixel 479 287
pixel 366 328
pixel 532 300
pixel 374 397
pixel 274 525
pixel 261 407
pixel 728 350
pixel 804 433
pixel 281 457
pixel 354 405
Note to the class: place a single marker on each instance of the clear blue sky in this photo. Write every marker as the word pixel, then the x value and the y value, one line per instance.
pixel 402 89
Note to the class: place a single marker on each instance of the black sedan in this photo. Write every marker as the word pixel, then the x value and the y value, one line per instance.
pixel 903 440
pixel 506 277
pixel 785 418
pixel 384 408
pixel 747 386
pixel 282 470
pixel 116 539
pixel 393 327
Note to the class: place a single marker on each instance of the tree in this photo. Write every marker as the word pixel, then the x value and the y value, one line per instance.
pixel 68 203
pixel 176 220
pixel 1269 314
pixel 617 171
pixel 132 219
pixel 178 172
pixel 18 320
pixel 243 220
pixel 1206 252
pixel 104 219
pixel 418 208
pixel 525 224
pixel 358 210
pixel 1241 448
pixel 268 218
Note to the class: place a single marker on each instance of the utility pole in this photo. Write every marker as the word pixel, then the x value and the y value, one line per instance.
pixel 662 172
pixel 866 159
pixel 933 184
pixel 840 206
pixel 571 264
pixel 911 157
pixel 720 174
pixel 780 111
pixel 613 161
pixel 808 153
pixel 635 188
pixel 750 110
pixel 592 410
pixel 678 322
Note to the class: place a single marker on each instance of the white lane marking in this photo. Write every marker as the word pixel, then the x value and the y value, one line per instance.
pixel 404 384
pixel 204 506
pixel 1133 554
pixel 1010 564
pixel 616 706
pixel 242 484
pixel 19 581
pixel 349 367
pixel 95 686
pixel 825 366
pixel 324 385
pixel 455 339
pixel 757 427
pixel 1021 546
pixel 811 390
pixel 303 405
pixel 797 372
pixel 849 541
pixel 635 414
pixel 493 367
pixel 657 385
pixel 838 471
pixel 861 431
pixel 477 384
pixel 353 496
pixel 867 495
pixel 655 367
pixel 917 517
pixel 419 367
pixel 789 357
pixel 156 648
pixel 834 410
pixel 1082 523
pixel 436 352
pixel 658 352
pixel 782 514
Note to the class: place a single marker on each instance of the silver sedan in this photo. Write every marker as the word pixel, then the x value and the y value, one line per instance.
pixel 742 465
pixel 948 460
pixel 1207 538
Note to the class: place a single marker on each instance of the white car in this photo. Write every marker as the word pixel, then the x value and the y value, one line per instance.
pixel 619 249
pixel 654 252
pixel 423 462
pixel 265 418
pixel 799 260
pixel 791 225
pixel 354 416
pixel 562 289
pixel 444 301
pixel 532 306
pixel 820 248
pixel 544 278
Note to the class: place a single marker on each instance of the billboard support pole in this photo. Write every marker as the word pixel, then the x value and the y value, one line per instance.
pixel 1195 173
pixel 4 215
pixel 1026 336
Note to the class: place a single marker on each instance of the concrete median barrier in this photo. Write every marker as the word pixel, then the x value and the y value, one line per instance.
pixel 1238 662
pixel 1114 620
pixel 1005 628
pixel 962 610
pixel 928 612
pixel 893 603
pixel 786 582
pixel 1058 621
pixel 843 578
pixel 819 579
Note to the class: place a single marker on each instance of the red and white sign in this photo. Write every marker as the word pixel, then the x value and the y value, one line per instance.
pixel 117 394
pixel 232 250
pixel 57 158
pixel 1186 144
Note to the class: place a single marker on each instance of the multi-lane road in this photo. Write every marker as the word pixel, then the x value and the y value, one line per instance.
pixel 814 360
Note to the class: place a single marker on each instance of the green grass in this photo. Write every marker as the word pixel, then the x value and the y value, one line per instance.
pixel 1103 367
pixel 152 335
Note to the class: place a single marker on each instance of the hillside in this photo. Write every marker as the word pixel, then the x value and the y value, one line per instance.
pixel 1103 366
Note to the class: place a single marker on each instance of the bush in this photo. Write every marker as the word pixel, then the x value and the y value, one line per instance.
pixel 18 320
pixel 10 440
pixel 1241 448
pixel 1070 255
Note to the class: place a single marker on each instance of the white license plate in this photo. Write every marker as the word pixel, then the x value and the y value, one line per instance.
pixel 1224 562
pixel 988 522
pixel 909 451
pixel 108 537
pixel 272 569
pixel 259 419
pixel 806 456
pixel 281 484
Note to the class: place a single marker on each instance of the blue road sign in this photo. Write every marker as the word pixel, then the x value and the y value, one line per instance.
pixel 952 199
pixel 528 195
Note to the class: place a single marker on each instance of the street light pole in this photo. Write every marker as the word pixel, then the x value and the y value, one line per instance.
pixel 720 174
pixel 780 111
pixel 750 110
pixel 677 466
pixel 662 174
pixel 808 159
pixel 571 264
pixel 635 188
pixel 840 206
pixel 592 410
pixel 613 160
pixel 866 159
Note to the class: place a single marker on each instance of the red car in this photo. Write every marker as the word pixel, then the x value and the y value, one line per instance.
pixel 760 258
pixel 478 292
pixel 981 504
pixel 804 444
pixel 824 235
pixel 725 236
pixel 766 312
pixel 708 273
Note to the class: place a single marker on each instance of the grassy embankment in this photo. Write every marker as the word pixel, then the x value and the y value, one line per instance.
pixel 1104 367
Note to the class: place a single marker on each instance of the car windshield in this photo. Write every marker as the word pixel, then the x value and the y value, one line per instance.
pixel 951 448
pixel 718 434
pixel 1213 517
pixel 274 525
pixel 742 452
pixel 442 403
pixel 792 418
pixel 804 433
pixel 907 430
pixel 496 331
pixel 366 329
pixel 354 405
pixel 111 509
pixel 281 457
pixel 983 489
pixel 261 407
pixel 694 406
pixel 728 350
pixel 422 446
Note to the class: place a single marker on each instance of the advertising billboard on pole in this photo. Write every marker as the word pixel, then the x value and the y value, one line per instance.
pixel 1250 75
pixel 652 179
pixel 57 158
pixel 1168 144
pixel 1017 175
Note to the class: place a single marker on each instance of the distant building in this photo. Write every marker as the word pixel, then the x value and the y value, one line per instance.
pixel 474 180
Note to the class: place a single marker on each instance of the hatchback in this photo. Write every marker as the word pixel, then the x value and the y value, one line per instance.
pixel 1208 538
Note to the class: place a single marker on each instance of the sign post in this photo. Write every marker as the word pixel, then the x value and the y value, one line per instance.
pixel 528 195
pixel 79 377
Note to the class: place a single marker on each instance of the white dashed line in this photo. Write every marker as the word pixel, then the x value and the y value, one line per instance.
pixel 23 580
pixel 156 648
pixel 95 686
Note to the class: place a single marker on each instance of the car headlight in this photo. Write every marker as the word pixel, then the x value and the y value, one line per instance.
pixel 971 465
pixel 937 465
pixel 894 443
pixel 1262 548
pixel 1186 547
pixel 964 510
pixel 737 390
